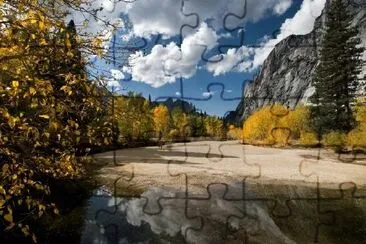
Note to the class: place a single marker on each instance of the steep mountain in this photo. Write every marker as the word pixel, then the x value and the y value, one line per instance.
pixel 287 72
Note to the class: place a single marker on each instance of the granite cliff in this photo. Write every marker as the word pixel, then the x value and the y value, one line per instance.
pixel 286 74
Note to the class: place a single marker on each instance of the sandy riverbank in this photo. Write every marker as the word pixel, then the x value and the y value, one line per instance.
pixel 203 163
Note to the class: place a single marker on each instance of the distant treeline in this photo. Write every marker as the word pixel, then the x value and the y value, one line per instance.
pixel 138 119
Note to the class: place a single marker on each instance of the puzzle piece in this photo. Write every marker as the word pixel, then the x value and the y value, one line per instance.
pixel 197 196
pixel 351 172
pixel 218 208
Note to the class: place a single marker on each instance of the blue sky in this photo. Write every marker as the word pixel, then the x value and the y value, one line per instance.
pixel 170 63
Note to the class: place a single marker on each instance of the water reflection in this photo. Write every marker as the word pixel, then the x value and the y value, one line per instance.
pixel 215 218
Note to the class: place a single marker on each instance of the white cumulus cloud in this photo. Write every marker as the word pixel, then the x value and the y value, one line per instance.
pixel 166 63
pixel 302 23
pixel 168 17
pixel 147 17
pixel 244 58
pixel 233 60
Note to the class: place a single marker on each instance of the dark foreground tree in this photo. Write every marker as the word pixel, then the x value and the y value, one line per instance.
pixel 336 78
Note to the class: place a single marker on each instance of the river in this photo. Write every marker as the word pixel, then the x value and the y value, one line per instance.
pixel 161 215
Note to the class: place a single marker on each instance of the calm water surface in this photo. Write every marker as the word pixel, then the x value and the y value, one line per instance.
pixel 164 216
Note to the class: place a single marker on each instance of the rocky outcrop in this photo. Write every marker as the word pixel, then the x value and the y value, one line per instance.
pixel 287 72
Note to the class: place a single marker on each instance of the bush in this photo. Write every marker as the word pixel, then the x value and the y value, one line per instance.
pixel 258 127
pixel 297 120
pixel 335 139
pixel 234 133
pixel 357 138
pixel 173 134
pixel 277 125
pixel 308 139
pixel 279 136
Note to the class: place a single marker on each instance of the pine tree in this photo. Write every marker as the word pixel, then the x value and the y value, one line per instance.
pixel 336 77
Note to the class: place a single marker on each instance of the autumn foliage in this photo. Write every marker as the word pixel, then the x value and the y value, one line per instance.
pixel 133 118
pixel 357 137
pixel 277 125
pixel 49 110
pixel 161 120
pixel 234 133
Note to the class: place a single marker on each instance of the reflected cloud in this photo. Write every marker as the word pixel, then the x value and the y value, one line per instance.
pixel 163 215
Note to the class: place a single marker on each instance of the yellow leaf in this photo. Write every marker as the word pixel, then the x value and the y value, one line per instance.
pixel 32 90
pixel 106 141
pixel 44 116
pixel 41 25
pixel 8 217
pixel 25 231
pixel 70 54
pixel 5 170
pixel 68 43
pixel 2 203
pixel 43 42
pixel 41 207
pixel 15 83
pixel 54 126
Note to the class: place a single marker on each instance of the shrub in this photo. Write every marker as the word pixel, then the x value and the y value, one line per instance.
pixel 258 127
pixel 335 139
pixel 279 136
pixel 308 139
pixel 173 134
pixel 357 138
pixel 265 126
pixel 297 120
pixel 234 133
pixel 214 127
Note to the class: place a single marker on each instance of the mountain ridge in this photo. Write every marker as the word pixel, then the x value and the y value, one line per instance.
pixel 287 72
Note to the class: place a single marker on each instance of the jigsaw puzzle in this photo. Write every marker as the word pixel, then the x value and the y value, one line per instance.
pixel 278 181
pixel 229 192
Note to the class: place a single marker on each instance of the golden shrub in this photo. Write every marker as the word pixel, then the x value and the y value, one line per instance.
pixel 174 133
pixel 234 133
pixel 335 139
pixel 258 127
pixel 279 136
pixel 357 138
pixel 296 120
pixel 308 138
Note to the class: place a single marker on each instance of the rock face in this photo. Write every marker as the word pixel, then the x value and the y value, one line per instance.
pixel 287 72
